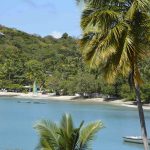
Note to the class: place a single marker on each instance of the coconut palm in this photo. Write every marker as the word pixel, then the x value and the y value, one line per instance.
pixel 65 136
pixel 115 33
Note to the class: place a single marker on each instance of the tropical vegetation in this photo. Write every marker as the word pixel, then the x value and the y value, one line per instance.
pixel 65 136
pixel 116 36
pixel 57 66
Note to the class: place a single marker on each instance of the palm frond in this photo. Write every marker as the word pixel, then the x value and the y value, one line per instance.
pixel 44 145
pixel 99 48
pixel 67 124
pixel 81 1
pixel 65 136
pixel 113 44
pixel 48 131
pixel 97 18
pixel 114 53
pixel 131 12
pixel 89 50
pixel 96 3
pixel 67 132
pixel 143 4
pixel 88 132
pixel 75 136
pixel 145 26
pixel 69 141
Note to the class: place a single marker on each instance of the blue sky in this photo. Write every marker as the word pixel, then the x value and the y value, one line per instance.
pixel 43 17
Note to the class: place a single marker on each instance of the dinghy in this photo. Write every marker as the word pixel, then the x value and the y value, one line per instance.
pixel 134 139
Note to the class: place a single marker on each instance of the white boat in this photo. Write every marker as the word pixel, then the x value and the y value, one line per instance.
pixel 134 139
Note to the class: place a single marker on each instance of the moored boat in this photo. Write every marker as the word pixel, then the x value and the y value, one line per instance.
pixel 134 139
pixel 38 102
pixel 23 101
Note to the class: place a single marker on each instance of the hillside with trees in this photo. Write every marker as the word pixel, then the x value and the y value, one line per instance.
pixel 57 66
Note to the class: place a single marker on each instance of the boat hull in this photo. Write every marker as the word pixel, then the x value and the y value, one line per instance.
pixel 134 139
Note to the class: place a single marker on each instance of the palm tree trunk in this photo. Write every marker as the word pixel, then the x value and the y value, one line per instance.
pixel 142 118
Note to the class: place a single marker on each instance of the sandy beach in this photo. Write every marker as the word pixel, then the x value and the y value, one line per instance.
pixel 49 97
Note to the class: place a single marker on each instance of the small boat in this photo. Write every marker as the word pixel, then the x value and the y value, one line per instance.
pixel 38 102
pixel 23 101
pixel 134 139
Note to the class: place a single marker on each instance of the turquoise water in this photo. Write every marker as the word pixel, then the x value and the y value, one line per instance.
pixel 17 120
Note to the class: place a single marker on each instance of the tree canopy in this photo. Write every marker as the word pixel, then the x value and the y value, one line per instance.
pixel 56 65
pixel 116 36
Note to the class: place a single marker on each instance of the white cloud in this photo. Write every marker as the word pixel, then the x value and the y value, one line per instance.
pixel 56 34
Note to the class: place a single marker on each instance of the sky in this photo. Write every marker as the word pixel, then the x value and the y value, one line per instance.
pixel 42 17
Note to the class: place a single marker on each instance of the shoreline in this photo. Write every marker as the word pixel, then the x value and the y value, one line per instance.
pixel 120 102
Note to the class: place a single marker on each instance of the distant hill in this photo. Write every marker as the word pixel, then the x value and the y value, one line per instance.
pixel 57 66
pixel 25 57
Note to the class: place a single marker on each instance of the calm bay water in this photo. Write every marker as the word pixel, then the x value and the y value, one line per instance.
pixel 17 120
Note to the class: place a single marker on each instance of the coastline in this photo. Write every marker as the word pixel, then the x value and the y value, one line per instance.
pixel 120 102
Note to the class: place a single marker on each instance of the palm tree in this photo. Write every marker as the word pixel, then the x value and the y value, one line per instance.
pixel 65 136
pixel 115 33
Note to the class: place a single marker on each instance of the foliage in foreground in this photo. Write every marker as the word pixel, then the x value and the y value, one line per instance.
pixel 66 136
pixel 116 36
